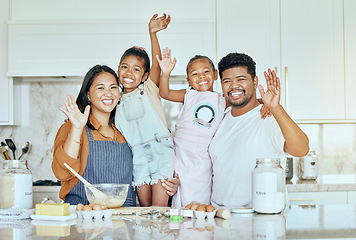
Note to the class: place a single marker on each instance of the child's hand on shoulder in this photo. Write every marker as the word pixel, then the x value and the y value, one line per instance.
pixel 166 63
pixel 158 24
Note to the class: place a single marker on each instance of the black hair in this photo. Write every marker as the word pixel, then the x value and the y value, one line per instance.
pixel 140 53
pixel 237 60
pixel 196 57
pixel 83 100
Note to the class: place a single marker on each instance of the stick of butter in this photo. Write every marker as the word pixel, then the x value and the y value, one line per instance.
pixel 53 209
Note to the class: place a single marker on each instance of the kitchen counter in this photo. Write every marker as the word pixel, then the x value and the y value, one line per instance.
pixel 318 222
pixel 324 183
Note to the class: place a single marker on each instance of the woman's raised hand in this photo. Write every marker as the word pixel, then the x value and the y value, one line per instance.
pixel 75 116
pixel 166 63
pixel 158 24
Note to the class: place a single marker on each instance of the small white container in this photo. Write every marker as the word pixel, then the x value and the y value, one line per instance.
pixel 308 166
pixel 268 186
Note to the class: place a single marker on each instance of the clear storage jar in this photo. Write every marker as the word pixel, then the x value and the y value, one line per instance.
pixel 268 186
pixel 15 185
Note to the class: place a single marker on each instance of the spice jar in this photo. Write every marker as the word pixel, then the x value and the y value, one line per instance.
pixel 15 185
pixel 268 186
pixel 308 166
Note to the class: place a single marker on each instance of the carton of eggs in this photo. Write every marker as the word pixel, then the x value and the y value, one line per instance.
pixel 202 210
pixel 93 211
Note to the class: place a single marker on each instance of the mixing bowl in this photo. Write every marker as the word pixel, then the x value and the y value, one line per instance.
pixel 114 194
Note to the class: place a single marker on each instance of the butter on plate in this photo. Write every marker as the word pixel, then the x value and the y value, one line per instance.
pixel 53 209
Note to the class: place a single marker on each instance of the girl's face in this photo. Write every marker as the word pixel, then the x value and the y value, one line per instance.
pixel 104 94
pixel 131 73
pixel 201 75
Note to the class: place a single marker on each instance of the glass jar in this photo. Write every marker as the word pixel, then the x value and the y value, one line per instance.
pixel 15 185
pixel 308 166
pixel 268 186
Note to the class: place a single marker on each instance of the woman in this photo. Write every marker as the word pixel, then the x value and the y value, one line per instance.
pixel 90 143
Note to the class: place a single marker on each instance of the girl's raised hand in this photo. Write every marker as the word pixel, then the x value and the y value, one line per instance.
pixel 158 24
pixel 166 63
pixel 75 116
pixel 271 97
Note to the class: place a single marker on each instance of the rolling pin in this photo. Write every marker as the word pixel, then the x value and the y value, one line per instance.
pixel 223 213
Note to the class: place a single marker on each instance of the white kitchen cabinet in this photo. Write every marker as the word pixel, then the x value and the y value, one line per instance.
pixel 250 27
pixel 312 54
pixel 305 41
pixel 351 197
pixel 64 40
pixel 6 84
pixel 350 57
pixel 317 198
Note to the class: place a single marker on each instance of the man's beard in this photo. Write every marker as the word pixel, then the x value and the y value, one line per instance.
pixel 240 103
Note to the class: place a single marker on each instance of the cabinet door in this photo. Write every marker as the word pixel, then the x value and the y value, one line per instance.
pixel 312 56
pixel 4 82
pixel 244 27
pixel 350 57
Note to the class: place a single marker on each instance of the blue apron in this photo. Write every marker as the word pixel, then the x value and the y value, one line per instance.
pixel 108 162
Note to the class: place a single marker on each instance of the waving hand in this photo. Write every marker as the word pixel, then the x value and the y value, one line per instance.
pixel 76 117
pixel 271 97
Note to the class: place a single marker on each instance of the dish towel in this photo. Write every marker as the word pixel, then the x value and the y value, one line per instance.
pixel 15 214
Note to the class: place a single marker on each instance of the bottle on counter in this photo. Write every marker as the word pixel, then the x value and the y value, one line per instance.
pixel 15 185
pixel 308 166
pixel 268 186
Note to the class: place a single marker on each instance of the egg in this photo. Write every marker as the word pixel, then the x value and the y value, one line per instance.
pixel 79 207
pixel 201 208
pixel 87 208
pixel 210 208
pixel 194 206
pixel 189 206
pixel 96 207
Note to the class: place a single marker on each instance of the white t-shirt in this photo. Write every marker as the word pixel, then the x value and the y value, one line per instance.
pixel 238 142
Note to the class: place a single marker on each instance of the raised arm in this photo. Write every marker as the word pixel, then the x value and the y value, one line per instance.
pixel 296 141
pixel 78 121
pixel 155 25
pixel 167 65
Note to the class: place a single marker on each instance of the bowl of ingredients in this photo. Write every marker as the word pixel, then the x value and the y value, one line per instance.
pixel 110 195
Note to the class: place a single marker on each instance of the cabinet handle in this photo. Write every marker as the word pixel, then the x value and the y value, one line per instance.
pixel 286 87
pixel 301 199
pixel 276 71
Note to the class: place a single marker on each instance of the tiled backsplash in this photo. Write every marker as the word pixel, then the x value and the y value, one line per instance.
pixel 335 143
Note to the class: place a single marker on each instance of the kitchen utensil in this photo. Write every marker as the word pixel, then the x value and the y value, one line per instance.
pixel 25 148
pixel 4 153
pixel 98 194
pixel 12 146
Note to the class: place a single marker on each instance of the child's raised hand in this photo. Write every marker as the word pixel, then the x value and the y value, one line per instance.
pixel 271 97
pixel 265 112
pixel 166 63
pixel 76 117
pixel 158 24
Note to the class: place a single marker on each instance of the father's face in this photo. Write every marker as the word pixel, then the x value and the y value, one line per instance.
pixel 238 86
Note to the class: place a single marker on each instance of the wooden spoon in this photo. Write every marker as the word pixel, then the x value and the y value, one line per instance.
pixel 99 195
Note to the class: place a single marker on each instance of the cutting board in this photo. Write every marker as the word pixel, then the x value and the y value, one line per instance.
pixel 133 210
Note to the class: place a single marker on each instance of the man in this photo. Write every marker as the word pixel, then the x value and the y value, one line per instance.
pixel 243 136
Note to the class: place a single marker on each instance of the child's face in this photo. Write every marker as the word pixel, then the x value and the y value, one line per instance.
pixel 131 73
pixel 201 75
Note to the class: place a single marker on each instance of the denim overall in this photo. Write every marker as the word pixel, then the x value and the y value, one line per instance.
pixel 108 162
pixel 148 137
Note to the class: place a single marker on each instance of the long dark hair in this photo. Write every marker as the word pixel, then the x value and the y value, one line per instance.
pixel 83 100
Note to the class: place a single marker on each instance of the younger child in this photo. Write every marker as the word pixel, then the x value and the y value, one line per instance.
pixel 140 117
pixel 200 117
